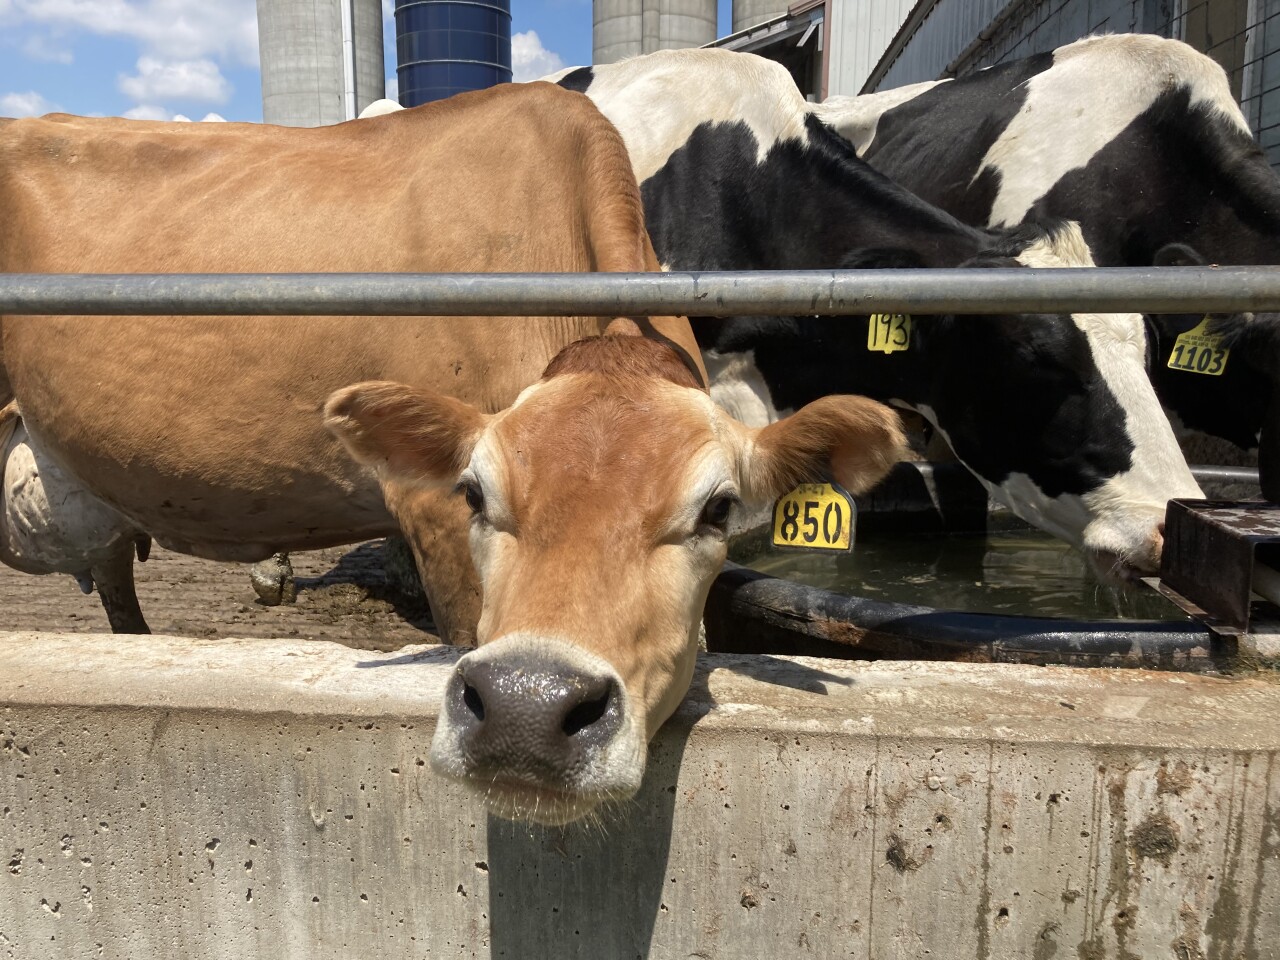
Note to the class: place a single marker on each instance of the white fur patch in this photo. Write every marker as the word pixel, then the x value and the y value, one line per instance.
pixel 1063 247
pixel 656 101
pixel 379 108
pixel 739 389
pixel 1096 87
pixel 856 118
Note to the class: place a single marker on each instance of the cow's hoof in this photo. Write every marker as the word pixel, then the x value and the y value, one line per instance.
pixel 273 581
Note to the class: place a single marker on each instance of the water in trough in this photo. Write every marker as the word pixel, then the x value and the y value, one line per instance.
pixel 1018 571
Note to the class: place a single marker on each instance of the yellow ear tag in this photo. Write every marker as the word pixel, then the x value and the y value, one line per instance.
pixel 1198 351
pixel 889 332
pixel 815 516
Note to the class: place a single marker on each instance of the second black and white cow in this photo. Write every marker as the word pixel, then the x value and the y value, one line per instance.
pixel 1055 414
pixel 1138 139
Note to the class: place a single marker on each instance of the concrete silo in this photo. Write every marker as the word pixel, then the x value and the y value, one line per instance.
pixel 627 28
pixel 451 46
pixel 747 13
pixel 321 59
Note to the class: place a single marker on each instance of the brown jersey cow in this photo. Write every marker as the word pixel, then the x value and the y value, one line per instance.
pixel 591 479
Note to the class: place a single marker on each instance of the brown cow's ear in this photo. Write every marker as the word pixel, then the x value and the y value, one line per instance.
pixel 411 436
pixel 851 440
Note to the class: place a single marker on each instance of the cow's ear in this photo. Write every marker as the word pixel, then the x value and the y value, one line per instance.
pixel 851 440
pixel 1177 255
pixel 881 258
pixel 410 436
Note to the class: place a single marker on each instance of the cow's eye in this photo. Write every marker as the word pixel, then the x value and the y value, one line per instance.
pixel 716 512
pixel 474 496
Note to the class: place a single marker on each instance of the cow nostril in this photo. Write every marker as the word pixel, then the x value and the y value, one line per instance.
pixel 587 713
pixel 471 697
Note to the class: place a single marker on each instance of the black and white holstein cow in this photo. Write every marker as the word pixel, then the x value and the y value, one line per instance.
pixel 1054 414
pixel 1137 138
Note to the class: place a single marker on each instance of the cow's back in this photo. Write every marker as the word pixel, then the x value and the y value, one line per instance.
pixel 191 424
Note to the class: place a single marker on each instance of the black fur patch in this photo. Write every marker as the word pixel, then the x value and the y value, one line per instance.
pixel 578 79
pixel 1014 393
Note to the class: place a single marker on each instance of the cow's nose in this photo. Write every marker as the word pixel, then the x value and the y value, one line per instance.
pixel 525 721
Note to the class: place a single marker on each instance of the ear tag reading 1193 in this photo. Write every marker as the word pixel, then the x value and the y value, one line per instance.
pixel 889 332
pixel 815 516
pixel 1199 351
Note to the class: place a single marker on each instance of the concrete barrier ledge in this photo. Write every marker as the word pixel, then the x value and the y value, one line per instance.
pixel 165 797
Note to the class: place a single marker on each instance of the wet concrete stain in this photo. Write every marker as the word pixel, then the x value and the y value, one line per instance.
pixel 898 856
pixel 1156 838
pixel 1046 947
pixel 1176 779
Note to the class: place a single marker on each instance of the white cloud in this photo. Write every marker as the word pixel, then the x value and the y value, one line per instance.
pixel 530 59
pixel 29 104
pixel 37 47
pixel 176 79
pixel 180 29
pixel 393 89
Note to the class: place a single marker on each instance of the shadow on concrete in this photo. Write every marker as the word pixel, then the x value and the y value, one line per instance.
pixel 591 891
pixel 781 673
pixel 362 574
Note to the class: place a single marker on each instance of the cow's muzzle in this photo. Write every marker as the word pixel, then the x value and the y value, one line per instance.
pixel 540 728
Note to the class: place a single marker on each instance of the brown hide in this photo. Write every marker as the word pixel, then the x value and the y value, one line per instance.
pixel 206 432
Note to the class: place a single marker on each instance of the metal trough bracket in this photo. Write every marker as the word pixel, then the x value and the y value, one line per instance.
pixel 1212 551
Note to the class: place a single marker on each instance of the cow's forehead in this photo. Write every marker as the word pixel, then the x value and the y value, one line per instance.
pixel 647 435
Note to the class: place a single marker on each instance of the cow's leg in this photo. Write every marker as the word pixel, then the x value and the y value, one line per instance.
pixel 436 526
pixel 114 579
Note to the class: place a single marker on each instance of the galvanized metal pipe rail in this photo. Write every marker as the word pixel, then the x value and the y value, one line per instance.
pixel 718 294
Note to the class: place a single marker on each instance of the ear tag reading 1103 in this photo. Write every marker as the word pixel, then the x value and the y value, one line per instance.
pixel 815 516
pixel 889 332
pixel 1199 351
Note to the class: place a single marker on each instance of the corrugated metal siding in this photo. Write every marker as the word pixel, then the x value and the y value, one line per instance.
pixel 860 32
pixel 1038 27
pixel 1260 76
pixel 958 36
pixel 950 27
pixel 1243 36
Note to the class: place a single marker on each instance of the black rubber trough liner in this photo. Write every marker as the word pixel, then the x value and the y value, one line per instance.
pixel 752 612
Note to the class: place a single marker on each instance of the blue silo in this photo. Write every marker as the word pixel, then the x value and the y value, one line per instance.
pixel 450 46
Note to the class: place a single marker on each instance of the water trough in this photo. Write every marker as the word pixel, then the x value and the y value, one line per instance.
pixel 752 612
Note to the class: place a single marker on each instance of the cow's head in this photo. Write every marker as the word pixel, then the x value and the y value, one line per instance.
pixel 600 501
pixel 1238 397
pixel 1057 415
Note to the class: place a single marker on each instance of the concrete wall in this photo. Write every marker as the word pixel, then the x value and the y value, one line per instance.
pixel 747 13
pixel 165 798
pixel 303 81
pixel 628 28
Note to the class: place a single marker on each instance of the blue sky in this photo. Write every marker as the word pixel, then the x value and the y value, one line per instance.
pixel 159 59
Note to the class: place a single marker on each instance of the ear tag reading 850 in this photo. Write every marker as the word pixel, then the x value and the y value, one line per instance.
pixel 1199 351
pixel 815 516
pixel 889 332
